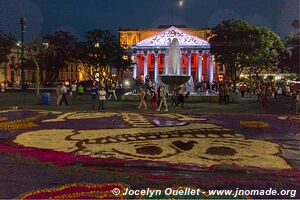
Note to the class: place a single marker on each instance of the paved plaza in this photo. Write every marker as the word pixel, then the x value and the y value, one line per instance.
pixel 88 154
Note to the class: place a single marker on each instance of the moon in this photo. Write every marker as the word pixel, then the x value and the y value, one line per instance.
pixel 180 3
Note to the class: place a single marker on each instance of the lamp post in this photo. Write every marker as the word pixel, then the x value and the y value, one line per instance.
pixel 22 22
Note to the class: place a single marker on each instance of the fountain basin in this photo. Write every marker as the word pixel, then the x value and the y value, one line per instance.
pixel 174 80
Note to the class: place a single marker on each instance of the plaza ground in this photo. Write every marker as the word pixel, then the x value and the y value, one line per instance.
pixel 51 151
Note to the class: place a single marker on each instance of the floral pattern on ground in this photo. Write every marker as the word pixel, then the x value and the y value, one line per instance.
pixel 201 140
pixel 196 144
pixel 116 191
pixel 78 191
pixel 255 124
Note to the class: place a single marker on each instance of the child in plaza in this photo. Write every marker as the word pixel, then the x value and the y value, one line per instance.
pixel 102 98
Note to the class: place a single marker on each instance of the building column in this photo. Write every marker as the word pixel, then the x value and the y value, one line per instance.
pixel 211 69
pixel 156 67
pixel 199 66
pixel 189 64
pixel 145 64
pixel 134 65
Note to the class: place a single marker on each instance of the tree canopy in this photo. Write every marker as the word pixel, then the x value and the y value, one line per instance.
pixel 7 42
pixel 63 47
pixel 291 58
pixel 240 46
pixel 101 51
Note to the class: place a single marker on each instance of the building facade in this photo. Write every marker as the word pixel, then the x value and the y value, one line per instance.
pixel 148 49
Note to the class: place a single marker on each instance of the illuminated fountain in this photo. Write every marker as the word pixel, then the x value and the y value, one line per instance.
pixel 173 76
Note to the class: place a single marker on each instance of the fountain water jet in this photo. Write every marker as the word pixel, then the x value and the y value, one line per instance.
pixel 173 76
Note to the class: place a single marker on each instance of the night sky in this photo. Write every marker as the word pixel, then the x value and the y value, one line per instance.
pixel 78 16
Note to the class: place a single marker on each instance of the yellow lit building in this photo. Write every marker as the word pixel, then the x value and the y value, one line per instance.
pixel 129 37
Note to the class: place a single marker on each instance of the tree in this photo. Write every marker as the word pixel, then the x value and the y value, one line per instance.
pixel 63 47
pixel 7 42
pixel 240 46
pixel 268 48
pixel 290 58
pixel 231 41
pixel 37 55
pixel 100 52
pixel 121 64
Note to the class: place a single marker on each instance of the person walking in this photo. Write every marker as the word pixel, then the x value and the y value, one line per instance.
pixel 102 98
pixel 58 94
pixel 94 92
pixel 64 92
pixel 163 99
pixel 112 92
pixel 73 89
pixel 142 99
pixel 153 99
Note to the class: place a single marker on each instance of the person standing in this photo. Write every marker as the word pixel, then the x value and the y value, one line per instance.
pixel 94 92
pixel 226 93
pixel 242 90
pixel 58 94
pixel 279 91
pixel 64 92
pixel 2 87
pixel 142 99
pixel 221 94
pixel 163 99
pixel 264 97
pixel 174 98
pixel 80 91
pixel 180 97
pixel 102 98
pixel 258 92
pixel 287 90
pixel 73 89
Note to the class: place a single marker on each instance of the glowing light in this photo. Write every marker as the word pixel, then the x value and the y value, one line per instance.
pixel 180 3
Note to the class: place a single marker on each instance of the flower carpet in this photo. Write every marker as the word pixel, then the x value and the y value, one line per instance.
pixel 88 154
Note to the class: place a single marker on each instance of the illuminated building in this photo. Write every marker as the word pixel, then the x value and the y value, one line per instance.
pixel 148 47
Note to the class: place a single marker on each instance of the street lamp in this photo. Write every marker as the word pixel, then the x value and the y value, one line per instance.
pixel 22 23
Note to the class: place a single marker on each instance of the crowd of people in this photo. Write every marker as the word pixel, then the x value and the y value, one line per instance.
pixel 158 96
pixel 99 92
pixel 263 92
